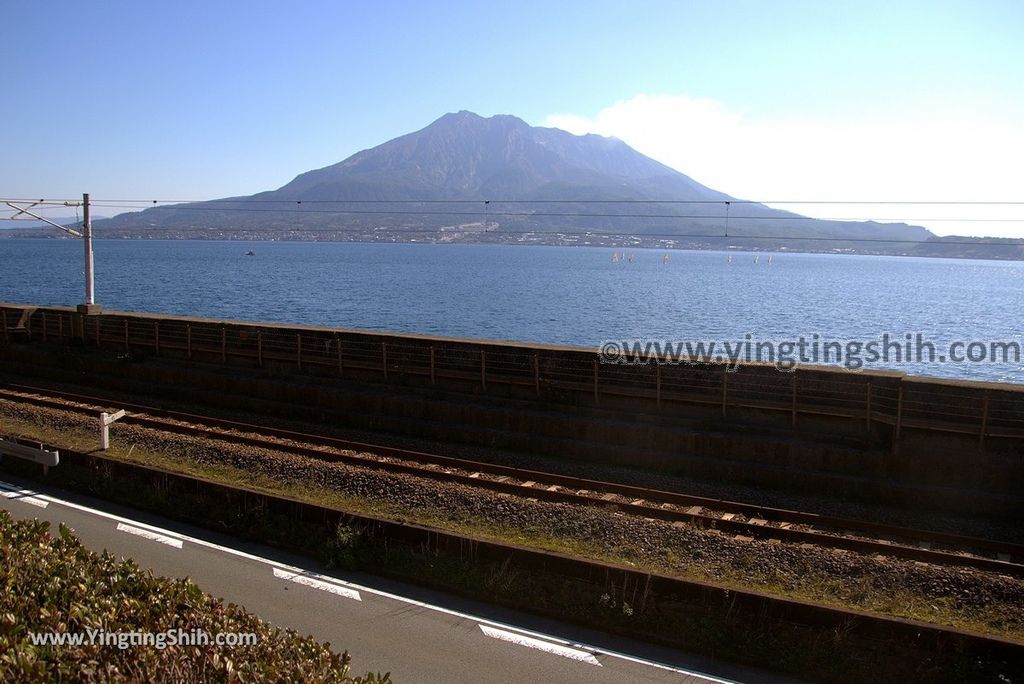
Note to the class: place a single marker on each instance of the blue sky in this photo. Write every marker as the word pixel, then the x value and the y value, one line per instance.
pixel 765 100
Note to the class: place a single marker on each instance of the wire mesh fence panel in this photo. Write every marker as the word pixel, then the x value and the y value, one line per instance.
pixel 315 347
pixel 140 333
pixel 834 393
pixel 935 405
pixel 572 371
pixel 700 383
pixel 456 361
pixel 278 345
pixel 510 365
pixel 1004 412
pixel 640 380
pixel 362 352
pixel 411 357
pixel 207 339
pixel 244 342
pixel 173 335
pixel 884 398
pixel 759 387
pixel 109 331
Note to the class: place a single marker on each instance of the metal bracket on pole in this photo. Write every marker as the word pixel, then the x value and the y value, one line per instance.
pixel 90 306
pixel 106 420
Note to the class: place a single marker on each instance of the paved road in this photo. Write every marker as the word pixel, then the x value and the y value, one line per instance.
pixel 418 634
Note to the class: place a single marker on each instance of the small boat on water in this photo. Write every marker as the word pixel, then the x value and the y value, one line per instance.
pixel 250 253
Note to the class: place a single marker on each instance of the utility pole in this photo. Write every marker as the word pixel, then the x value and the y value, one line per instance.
pixel 90 305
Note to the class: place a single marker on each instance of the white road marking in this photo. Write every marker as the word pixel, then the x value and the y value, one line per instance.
pixel 540 645
pixel 311 579
pixel 385 594
pixel 23 495
pixel 146 534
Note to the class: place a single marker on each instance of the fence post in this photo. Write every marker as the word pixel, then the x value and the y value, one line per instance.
pixel 725 387
pixel 899 419
pixel 298 349
pixel 156 336
pixel 223 344
pixel 432 365
pixel 384 354
pixel 536 374
pixel 188 339
pixel 3 315
pixel 792 420
pixel 483 369
pixel 867 409
pixel 60 327
pixel 341 366
pixel 44 327
pixel 596 397
pixel 657 383
pixel 984 421
pixel 126 345
pixel 97 332
pixel 259 348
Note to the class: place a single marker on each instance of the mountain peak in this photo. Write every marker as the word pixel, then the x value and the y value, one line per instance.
pixel 464 156
pixel 466 117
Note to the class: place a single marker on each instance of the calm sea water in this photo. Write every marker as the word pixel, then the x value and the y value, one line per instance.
pixel 562 295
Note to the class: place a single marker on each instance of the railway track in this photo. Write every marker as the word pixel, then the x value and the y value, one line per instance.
pixel 744 521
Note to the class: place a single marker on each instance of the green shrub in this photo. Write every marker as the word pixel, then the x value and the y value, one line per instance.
pixel 52 584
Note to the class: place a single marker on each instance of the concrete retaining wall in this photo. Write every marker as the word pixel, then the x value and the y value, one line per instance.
pixel 912 441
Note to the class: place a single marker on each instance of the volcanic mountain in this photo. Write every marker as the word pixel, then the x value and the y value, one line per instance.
pixel 469 178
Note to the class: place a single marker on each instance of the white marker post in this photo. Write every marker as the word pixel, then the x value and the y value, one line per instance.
pixel 106 420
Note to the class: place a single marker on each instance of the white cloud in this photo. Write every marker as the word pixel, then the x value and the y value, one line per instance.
pixel 939 157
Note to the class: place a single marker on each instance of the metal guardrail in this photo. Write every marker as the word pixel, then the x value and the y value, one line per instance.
pixel 45 457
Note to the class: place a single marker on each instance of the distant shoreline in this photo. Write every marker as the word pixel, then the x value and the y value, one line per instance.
pixel 736 244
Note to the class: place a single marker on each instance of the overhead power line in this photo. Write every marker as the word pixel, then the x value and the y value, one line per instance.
pixel 487 210
pixel 236 200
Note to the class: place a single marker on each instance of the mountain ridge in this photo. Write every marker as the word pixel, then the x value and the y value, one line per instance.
pixel 468 178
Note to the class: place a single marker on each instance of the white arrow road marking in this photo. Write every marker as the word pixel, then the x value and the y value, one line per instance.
pixel 311 579
pixel 146 534
pixel 540 645
pixel 23 495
